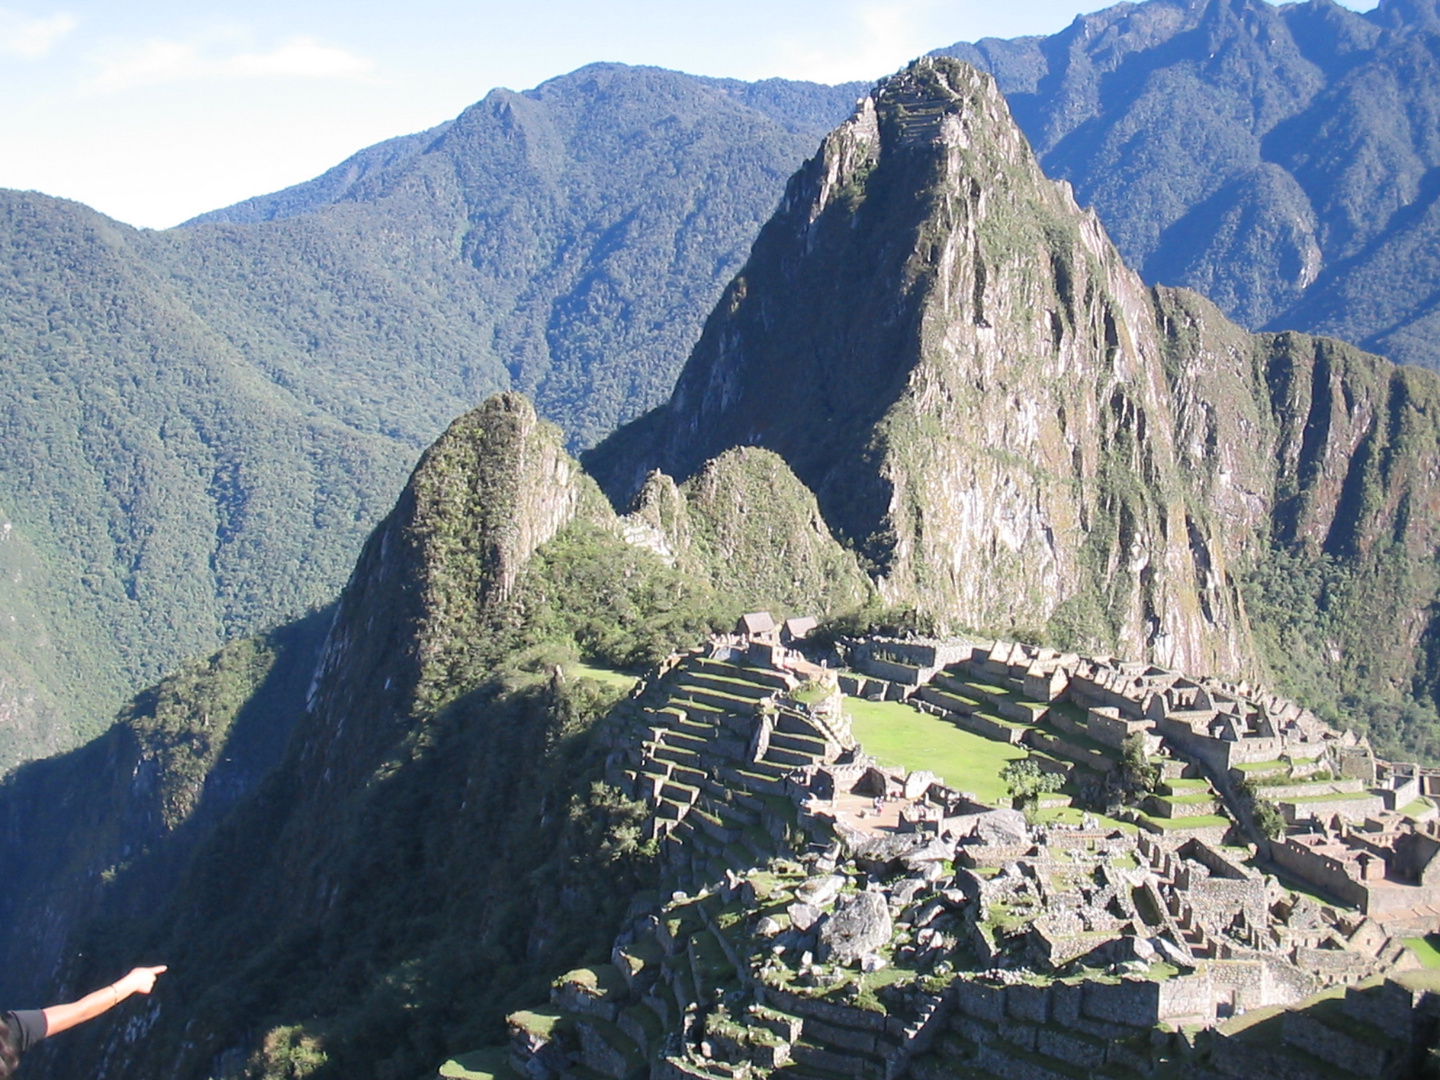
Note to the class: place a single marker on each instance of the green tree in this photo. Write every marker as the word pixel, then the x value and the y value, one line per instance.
pixel 1026 782
pixel 1137 775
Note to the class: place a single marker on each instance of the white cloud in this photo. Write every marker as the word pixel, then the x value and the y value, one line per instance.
pixel 23 35
pixel 160 61
pixel 304 57
pixel 890 32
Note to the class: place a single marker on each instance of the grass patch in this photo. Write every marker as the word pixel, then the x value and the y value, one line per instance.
pixel 542 1022
pixel 606 676
pixel 491 1063
pixel 1187 800
pixel 1427 948
pixel 1304 888
pixel 1334 796
pixel 1199 821
pixel 1415 809
pixel 811 693
pixel 1180 784
pixel 899 734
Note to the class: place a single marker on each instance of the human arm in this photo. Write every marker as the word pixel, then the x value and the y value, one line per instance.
pixel 59 1018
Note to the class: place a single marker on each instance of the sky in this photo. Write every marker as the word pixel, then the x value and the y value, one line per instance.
pixel 153 111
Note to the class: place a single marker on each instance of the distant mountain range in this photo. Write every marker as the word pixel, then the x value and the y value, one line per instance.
pixel 1281 160
pixel 200 425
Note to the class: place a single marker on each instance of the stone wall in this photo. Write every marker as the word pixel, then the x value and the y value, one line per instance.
pixel 1346 806
pixel 1322 870
pixel 1106 725
pixel 924 654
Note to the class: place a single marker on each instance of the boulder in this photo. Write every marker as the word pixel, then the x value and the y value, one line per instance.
pixel 929 912
pixel 1181 958
pixel 1002 827
pixel 859 926
pixel 902 892
pixel 802 915
pixel 936 851
pixel 820 890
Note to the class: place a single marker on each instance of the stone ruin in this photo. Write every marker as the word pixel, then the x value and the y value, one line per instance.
pixel 825 916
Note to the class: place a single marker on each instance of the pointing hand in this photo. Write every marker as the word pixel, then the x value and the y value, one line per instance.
pixel 141 980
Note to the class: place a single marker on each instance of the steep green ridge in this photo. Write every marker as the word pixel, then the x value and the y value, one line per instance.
pixel 749 527
pixel 1020 437
pixel 330 186
pixel 201 425
pixel 436 839
pixel 1277 158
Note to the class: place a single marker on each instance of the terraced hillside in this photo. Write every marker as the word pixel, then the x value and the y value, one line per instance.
pixel 801 928
pixel 1058 739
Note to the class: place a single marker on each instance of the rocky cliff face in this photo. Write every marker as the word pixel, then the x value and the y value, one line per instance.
pixel 1017 432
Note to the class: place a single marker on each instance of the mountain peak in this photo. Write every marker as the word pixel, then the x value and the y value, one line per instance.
pixel 987 403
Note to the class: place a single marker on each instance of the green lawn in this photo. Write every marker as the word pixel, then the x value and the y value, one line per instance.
pixel 618 679
pixel 1425 948
pixel 1180 784
pixel 1337 796
pixel 898 734
pixel 1199 821
pixel 1187 800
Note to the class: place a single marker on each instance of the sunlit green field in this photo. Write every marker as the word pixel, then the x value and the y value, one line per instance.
pixel 617 679
pixel 897 734
pixel 1425 949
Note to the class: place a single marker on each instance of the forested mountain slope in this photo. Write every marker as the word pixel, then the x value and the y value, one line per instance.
pixel 201 425
pixel 160 493
pixel 1280 160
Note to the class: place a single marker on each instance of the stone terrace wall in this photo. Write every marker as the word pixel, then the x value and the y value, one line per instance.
pixel 1320 870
